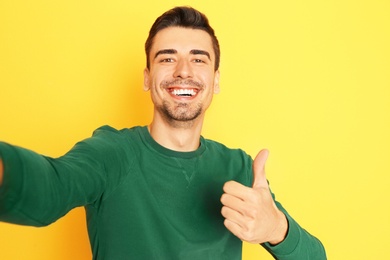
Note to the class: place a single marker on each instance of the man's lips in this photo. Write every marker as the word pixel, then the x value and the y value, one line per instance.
pixel 183 89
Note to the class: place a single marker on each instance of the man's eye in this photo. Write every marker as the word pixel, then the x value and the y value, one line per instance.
pixel 198 61
pixel 167 60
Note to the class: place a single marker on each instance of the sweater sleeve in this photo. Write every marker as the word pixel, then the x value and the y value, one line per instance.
pixel 298 244
pixel 37 190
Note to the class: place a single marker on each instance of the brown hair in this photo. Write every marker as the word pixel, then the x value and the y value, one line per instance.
pixel 186 17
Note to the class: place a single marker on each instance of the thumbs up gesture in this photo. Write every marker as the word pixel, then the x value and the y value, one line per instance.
pixel 251 213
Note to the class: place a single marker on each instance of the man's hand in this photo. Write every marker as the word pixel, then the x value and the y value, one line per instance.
pixel 250 213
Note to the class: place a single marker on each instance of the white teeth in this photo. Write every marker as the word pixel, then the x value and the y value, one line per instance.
pixel 183 92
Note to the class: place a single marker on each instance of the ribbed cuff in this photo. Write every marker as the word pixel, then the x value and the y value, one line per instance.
pixel 290 243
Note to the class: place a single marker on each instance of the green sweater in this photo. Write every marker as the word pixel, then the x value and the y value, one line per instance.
pixel 143 201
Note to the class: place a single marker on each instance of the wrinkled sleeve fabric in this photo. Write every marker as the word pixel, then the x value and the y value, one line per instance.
pixel 37 190
pixel 298 244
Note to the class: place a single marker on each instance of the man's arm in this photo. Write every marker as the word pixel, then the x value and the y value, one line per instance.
pixel 37 190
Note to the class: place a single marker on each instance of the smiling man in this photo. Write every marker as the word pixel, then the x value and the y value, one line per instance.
pixel 182 79
pixel 160 191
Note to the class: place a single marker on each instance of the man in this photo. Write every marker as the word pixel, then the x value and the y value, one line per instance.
pixel 160 191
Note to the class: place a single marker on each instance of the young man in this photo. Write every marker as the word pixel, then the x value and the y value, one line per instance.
pixel 160 191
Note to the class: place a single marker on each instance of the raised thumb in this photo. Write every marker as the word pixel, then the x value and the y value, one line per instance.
pixel 259 178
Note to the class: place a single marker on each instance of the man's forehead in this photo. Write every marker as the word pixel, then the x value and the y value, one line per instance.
pixel 182 40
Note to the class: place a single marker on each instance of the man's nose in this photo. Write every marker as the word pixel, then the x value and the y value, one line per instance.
pixel 183 69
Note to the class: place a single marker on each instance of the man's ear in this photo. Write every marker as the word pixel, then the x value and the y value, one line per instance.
pixel 216 82
pixel 146 79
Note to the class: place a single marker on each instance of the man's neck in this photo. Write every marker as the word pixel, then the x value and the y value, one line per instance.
pixel 183 138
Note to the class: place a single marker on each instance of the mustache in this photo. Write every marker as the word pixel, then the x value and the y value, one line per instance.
pixel 188 82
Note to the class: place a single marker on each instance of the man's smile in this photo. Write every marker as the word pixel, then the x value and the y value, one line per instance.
pixel 183 89
pixel 183 92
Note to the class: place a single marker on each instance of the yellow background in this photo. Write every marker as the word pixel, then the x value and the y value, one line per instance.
pixel 310 80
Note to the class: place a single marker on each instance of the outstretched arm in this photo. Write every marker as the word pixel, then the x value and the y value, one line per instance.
pixel 37 190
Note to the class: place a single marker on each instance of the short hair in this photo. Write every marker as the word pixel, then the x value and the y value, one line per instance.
pixel 186 17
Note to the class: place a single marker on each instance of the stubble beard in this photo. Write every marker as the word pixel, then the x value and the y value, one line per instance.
pixel 180 115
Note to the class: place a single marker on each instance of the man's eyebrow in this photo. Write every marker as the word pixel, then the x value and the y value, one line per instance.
pixel 165 51
pixel 202 52
pixel 173 51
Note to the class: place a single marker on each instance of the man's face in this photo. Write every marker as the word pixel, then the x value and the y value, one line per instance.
pixel 181 76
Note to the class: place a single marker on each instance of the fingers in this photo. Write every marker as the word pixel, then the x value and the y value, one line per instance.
pixel 234 221
pixel 234 228
pixel 240 225
pixel 236 189
pixel 232 203
pixel 232 215
pixel 238 207
pixel 240 198
pixel 234 206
